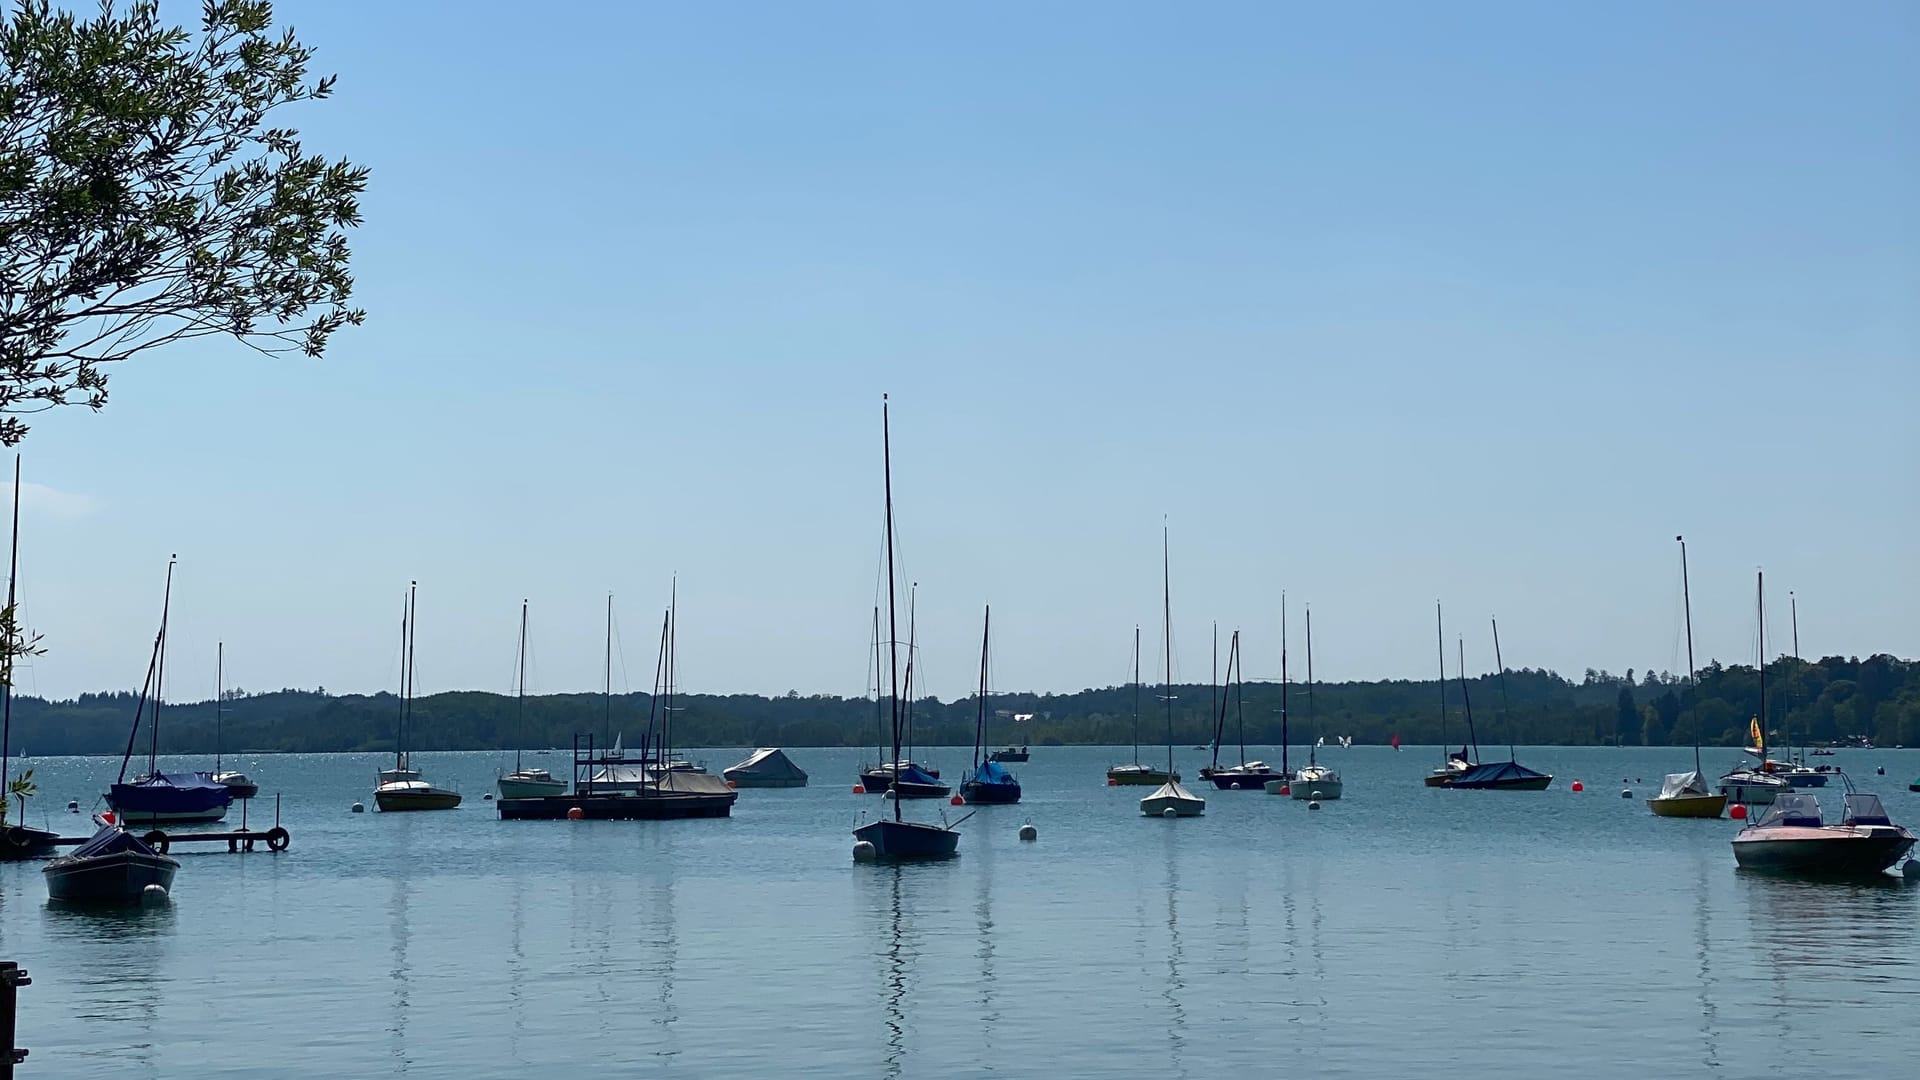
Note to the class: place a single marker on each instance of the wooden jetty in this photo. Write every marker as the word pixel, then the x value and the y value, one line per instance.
pixel 611 786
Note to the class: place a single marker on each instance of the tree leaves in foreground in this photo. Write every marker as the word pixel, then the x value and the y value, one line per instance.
pixel 148 195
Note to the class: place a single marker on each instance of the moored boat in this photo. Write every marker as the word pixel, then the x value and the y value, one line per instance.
pixel 19 841
pixel 1139 774
pixel 989 781
pixel 402 788
pixel 190 798
pixel 524 782
pixel 1792 838
pixel 1685 795
pixel 768 767
pixel 112 867
pixel 1314 782
pixel 1011 755
pixel 237 783
pixel 1169 799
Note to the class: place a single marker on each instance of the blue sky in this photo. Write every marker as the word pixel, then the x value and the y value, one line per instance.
pixel 1374 303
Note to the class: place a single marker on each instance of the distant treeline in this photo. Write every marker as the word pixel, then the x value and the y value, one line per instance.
pixel 1819 701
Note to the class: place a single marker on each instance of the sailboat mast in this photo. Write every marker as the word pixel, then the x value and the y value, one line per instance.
pixel 520 696
pixel 655 699
pixel 1506 705
pixel 1786 715
pixel 1686 604
pixel 1466 701
pixel 980 722
pixel 1136 694
pixel 1760 609
pixel 400 721
pixel 1440 638
pixel 16 641
pixel 879 692
pixel 1313 720
pixel 893 628
pixel 1166 632
pixel 606 721
pixel 160 672
pixel 413 632
pixel 219 687
pixel 913 643
pixel 1214 705
pixel 1238 672
pixel 673 642
pixel 1286 736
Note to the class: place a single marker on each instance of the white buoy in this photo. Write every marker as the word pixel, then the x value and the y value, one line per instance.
pixel 488 797
pixel 1626 793
pixel 1169 812
pixel 153 894
pixel 1881 771
pixel 359 809
pixel 864 851
pixel 1029 833
pixel 1911 871
pixel 1233 787
pixel 73 806
pixel 1313 804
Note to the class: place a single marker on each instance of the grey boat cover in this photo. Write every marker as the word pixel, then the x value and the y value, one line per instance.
pixel 767 764
pixel 1679 784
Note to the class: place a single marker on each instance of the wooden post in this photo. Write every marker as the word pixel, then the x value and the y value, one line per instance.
pixel 12 977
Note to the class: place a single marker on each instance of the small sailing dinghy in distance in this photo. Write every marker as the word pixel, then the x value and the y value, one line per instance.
pixel 895 838
pixel 1791 838
pixel 1248 775
pixel 112 867
pixel 1170 799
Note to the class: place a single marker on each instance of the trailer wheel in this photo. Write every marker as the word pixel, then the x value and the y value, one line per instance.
pixel 278 839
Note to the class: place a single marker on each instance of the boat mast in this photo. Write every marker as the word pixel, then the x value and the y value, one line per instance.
pixel 606 722
pixel 1136 693
pixel 1786 722
pixel 400 721
pixel 1506 705
pixel 1440 638
pixel 913 643
pixel 160 672
pixel 1686 604
pixel 1285 735
pixel 659 688
pixel 1466 702
pixel 673 635
pixel 893 629
pixel 879 693
pixel 1313 720
pixel 1214 704
pixel 1166 627
pixel 980 722
pixel 16 641
pixel 520 697
pixel 413 632
pixel 219 685
pixel 1236 664
pixel 1760 609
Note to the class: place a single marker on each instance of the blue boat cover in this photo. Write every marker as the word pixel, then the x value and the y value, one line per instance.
pixel 170 793
pixel 111 841
pixel 992 772
pixel 1495 772
pixel 913 775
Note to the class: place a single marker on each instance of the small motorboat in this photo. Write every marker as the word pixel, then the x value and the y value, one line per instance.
pixel 1685 795
pixel 1798 775
pixel 238 784
pixel 528 783
pixel 113 867
pixel 1821 751
pixel 1172 800
pixel 768 767
pixel 1010 755
pixel 1246 776
pixel 1792 838
pixel 1312 782
pixel 1138 775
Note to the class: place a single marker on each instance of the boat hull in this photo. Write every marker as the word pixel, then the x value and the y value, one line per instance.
pixel 911 790
pixel 1140 776
pixel 1010 756
pixel 648 806
pixel 1320 790
pixel 1841 852
pixel 1749 793
pixel 432 799
pixel 1689 806
pixel 239 785
pixel 511 788
pixel 1525 783
pixel 1172 800
pixel 1227 780
pixel 159 803
pixel 24 842
pixel 896 841
pixel 119 878
pixel 987 794
pixel 763 782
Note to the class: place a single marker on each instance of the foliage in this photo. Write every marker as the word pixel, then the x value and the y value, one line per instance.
pixel 20 787
pixel 1823 701
pixel 15 642
pixel 147 196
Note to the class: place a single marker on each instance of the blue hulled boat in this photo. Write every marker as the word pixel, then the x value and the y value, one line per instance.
pixel 114 867
pixel 989 781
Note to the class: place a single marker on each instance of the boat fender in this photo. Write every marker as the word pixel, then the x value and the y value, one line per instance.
pixel 278 839
pixel 1028 833
pixel 1880 771
pixel 1313 804
pixel 153 894
pixel 157 840
pixel 73 806
pixel 1169 812
pixel 488 797
pixel 864 851
pixel 358 808
pixel 1626 793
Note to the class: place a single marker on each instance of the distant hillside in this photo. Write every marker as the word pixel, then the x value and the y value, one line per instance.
pixel 1822 701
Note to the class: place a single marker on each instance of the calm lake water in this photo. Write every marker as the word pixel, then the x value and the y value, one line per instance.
pixel 1390 932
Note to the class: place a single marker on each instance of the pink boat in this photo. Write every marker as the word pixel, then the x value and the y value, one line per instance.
pixel 1791 838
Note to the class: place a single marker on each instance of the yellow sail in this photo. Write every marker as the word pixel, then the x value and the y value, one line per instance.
pixel 1754 738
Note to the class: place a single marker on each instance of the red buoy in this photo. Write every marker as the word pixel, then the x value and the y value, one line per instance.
pixel 859 790
pixel 731 784
pixel 1286 789
pixel 1111 782
pixel 1738 813
pixel 574 813
pixel 956 801
pixel 1578 786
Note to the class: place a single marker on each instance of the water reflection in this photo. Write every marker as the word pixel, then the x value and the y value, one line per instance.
pixel 896 981
pixel 401 974
pixel 1175 986
pixel 983 915
pixel 120 955
pixel 664 894
pixel 1703 955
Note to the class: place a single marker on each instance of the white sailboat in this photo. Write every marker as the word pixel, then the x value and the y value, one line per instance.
pixel 1314 781
pixel 1170 799
pixel 524 782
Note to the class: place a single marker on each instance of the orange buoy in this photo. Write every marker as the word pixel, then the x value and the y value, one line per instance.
pixel 859 789
pixel 1111 782
pixel 1738 813
pixel 956 801
pixel 574 813
pixel 1578 786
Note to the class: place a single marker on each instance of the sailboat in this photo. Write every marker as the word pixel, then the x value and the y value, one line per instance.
pixel 402 787
pixel 237 783
pixel 1170 799
pixel 990 781
pixel 523 782
pixel 1508 775
pixel 155 797
pixel 1685 795
pixel 19 840
pixel 1757 786
pixel 1315 781
pixel 1248 775
pixel 1452 765
pixel 1139 774
pixel 896 838
pixel 1795 769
